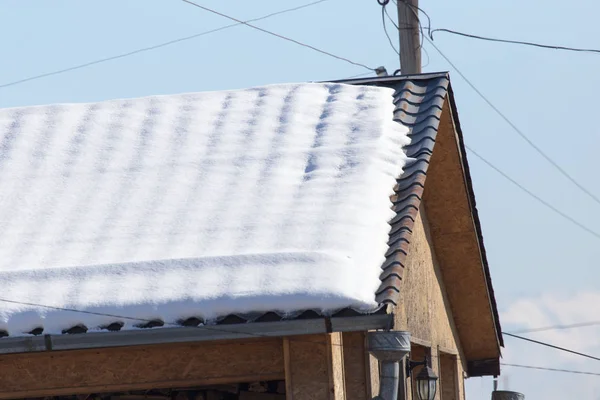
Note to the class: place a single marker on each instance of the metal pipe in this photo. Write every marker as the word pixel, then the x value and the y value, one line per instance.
pixel 389 348
pixel 389 376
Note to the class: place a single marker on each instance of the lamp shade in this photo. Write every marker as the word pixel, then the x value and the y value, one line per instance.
pixel 426 384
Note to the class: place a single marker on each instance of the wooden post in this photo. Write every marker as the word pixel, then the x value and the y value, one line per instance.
pixel 410 45
pixel 314 367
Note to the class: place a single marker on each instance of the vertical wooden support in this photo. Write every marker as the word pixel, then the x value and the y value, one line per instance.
pixel 356 366
pixel 287 363
pixel 337 373
pixel 314 367
pixel 449 379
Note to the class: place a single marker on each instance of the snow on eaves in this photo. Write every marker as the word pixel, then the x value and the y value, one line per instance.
pixel 274 198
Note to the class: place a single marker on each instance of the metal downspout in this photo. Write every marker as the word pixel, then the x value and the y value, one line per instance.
pixel 389 348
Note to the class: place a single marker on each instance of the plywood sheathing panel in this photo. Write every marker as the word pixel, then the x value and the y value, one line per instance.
pixel 373 364
pixel 457 246
pixel 424 308
pixel 355 366
pixel 316 367
pixel 140 367
pixel 448 380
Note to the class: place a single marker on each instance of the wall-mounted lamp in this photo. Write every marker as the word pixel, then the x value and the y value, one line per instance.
pixel 426 379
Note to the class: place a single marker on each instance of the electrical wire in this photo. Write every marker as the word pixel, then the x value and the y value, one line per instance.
pixel 504 117
pixel 552 346
pixel 358 75
pixel 533 195
pixel 383 14
pixel 157 46
pixel 524 43
pixel 414 10
pixel 408 27
pixel 279 36
pixel 551 369
pixel 205 327
pixel 558 327
pixel 232 331
pixel 516 129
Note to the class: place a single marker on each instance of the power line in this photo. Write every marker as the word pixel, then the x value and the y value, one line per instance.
pixel 536 197
pixel 551 369
pixel 383 14
pixel 524 43
pixel 219 329
pixel 205 327
pixel 408 27
pixel 515 128
pixel 359 75
pixel 551 346
pixel 157 46
pixel 413 7
pixel 279 36
pixel 559 327
pixel 504 117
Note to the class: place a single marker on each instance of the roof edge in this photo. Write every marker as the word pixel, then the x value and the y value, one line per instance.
pixel 475 214
pixel 253 330
pixel 393 78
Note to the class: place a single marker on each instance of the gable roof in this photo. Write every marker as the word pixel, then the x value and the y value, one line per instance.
pixel 199 206
pixel 425 104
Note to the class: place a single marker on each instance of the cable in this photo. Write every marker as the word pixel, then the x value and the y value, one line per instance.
pixel 539 199
pixel 383 14
pixel 544 46
pixel 551 369
pixel 424 50
pixel 358 75
pixel 279 36
pixel 219 329
pixel 515 128
pixel 164 44
pixel 408 27
pixel 206 327
pixel 552 346
pixel 536 197
pixel 413 8
pixel 559 327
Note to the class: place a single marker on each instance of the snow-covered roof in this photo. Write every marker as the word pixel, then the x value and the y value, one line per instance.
pixel 273 198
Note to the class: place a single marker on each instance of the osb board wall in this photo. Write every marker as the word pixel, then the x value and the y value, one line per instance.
pixel 355 366
pixel 456 244
pixel 424 309
pixel 315 367
pixel 449 379
pixel 139 367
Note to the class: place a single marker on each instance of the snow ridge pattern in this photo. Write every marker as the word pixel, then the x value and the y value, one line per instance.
pixel 273 198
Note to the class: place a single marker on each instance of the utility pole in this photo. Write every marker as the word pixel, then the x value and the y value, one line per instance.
pixel 410 44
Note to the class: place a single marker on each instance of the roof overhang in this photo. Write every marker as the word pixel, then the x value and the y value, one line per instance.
pixel 456 232
pixel 253 330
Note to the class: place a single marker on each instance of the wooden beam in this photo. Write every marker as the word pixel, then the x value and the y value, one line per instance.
pixel 289 392
pixel 314 370
pixel 140 367
pixel 356 366
pixel 335 364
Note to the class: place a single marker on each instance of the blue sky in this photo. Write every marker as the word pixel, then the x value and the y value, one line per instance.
pixel 543 267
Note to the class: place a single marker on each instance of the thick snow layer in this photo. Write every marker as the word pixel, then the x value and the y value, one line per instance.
pixel 268 199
